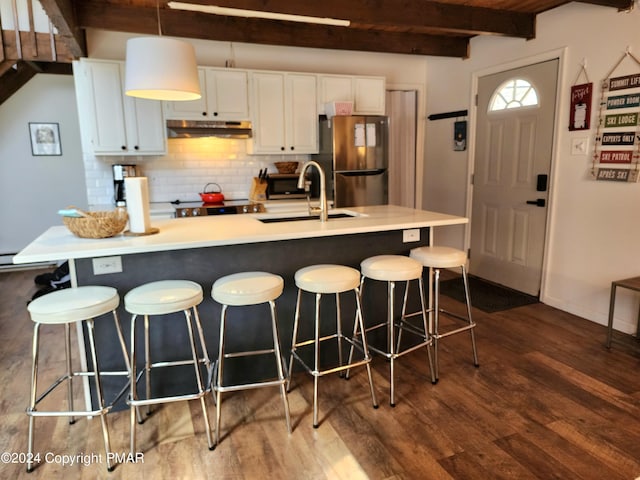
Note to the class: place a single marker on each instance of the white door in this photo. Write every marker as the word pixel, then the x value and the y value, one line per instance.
pixel 514 139
pixel 402 110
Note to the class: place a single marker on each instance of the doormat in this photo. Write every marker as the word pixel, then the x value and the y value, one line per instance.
pixel 486 296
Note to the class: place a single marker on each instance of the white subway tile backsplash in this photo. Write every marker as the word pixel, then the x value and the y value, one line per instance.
pixel 188 166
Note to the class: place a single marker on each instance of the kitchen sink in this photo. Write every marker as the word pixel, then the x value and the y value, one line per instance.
pixel 299 218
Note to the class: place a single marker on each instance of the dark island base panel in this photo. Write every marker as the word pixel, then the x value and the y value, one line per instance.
pixel 246 326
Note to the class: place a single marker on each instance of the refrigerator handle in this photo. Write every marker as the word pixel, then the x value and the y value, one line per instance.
pixel 361 173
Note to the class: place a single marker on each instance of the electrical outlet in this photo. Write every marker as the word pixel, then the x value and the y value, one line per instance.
pixel 105 265
pixel 412 235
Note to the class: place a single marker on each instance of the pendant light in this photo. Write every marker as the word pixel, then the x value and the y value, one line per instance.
pixel 160 68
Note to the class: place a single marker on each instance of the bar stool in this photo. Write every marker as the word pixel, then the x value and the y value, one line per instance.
pixel 66 307
pixel 329 279
pixel 244 289
pixel 437 258
pixel 162 298
pixel 392 269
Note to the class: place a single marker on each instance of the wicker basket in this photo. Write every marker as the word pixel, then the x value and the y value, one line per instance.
pixel 98 224
pixel 286 167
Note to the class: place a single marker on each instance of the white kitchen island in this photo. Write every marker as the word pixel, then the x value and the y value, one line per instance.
pixel 204 249
pixel 58 243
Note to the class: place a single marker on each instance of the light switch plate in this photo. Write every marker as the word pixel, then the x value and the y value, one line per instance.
pixel 579 146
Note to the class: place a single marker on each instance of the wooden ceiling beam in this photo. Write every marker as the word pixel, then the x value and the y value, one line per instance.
pixel 61 15
pixel 619 4
pixel 441 17
pixel 13 76
pixel 126 18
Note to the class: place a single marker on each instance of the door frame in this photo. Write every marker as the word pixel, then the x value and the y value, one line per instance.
pixel 560 54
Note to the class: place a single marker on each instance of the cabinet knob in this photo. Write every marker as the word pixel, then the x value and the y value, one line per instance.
pixel 292 147
pixel 123 147
pixel 215 114
pixel 204 114
pixel 282 148
pixel 136 147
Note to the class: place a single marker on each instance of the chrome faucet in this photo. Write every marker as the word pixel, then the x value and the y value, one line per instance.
pixel 322 208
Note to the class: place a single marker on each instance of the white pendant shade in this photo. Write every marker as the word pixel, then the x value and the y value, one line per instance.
pixel 161 68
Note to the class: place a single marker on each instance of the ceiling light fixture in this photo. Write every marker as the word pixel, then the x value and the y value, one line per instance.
pixel 237 12
pixel 161 68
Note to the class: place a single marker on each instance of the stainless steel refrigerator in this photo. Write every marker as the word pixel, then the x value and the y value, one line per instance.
pixel 354 154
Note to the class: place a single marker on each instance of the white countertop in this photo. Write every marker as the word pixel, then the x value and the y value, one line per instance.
pixel 58 243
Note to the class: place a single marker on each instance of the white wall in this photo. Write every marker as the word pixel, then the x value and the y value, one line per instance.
pixel 33 188
pixel 593 229
pixel 189 164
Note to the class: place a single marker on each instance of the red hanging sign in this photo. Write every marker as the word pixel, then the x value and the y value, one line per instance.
pixel 580 110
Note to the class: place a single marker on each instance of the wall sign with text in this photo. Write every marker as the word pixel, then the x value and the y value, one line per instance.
pixel 580 111
pixel 616 156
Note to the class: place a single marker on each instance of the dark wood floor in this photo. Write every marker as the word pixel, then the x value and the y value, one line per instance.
pixel 548 401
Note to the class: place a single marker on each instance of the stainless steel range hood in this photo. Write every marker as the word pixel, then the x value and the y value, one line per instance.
pixel 208 128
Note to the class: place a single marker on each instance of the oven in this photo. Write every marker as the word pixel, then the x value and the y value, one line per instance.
pixel 228 207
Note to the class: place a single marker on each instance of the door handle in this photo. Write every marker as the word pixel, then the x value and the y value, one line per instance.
pixel 540 202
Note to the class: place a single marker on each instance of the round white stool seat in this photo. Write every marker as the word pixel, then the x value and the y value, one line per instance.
pixel 247 288
pixel 439 257
pixel 73 304
pixel 327 278
pixel 391 268
pixel 163 297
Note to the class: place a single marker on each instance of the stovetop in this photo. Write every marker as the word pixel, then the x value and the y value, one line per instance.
pixel 228 207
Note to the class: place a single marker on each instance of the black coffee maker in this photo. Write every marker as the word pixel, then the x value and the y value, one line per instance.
pixel 120 172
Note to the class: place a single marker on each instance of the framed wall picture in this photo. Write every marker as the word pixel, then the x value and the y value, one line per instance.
pixel 45 139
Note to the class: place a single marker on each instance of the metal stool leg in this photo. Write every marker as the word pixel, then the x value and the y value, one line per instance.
pixel 425 326
pixel 391 287
pixel 201 389
pixel 281 376
pixel 360 324
pixel 296 320
pixel 436 320
pixel 134 391
pixel 99 393
pixel 471 324
pixel 147 361
pixel 33 394
pixel 316 361
pixel 67 352
pixel 223 318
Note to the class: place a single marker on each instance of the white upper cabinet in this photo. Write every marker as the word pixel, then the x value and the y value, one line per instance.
pixel 366 93
pixel 224 97
pixel 113 123
pixel 369 95
pixel 284 114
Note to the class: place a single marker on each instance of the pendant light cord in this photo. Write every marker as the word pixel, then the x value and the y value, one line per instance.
pixel 158 17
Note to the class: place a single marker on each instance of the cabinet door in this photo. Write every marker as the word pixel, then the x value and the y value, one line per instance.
pixel 369 95
pixel 192 109
pixel 146 131
pixel 104 107
pixel 334 88
pixel 118 124
pixel 268 112
pixel 301 118
pixel 227 91
pixel 224 97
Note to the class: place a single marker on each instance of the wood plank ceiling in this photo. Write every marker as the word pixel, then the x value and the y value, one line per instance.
pixel 412 27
